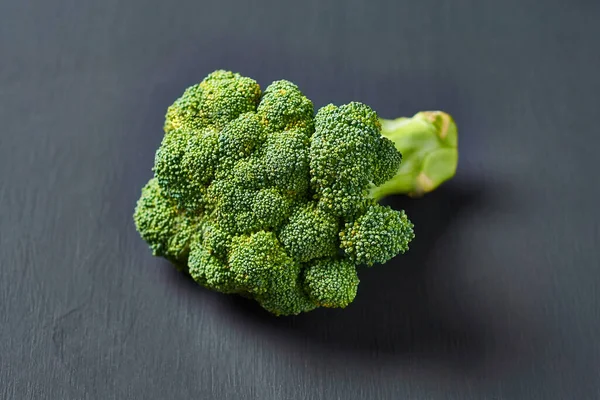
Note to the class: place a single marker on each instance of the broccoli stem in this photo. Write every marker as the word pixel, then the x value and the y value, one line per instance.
pixel 428 143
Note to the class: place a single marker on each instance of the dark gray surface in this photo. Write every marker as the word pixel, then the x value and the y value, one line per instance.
pixel 498 299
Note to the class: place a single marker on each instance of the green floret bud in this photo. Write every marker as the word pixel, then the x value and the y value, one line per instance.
pixel 239 139
pixel 359 114
pixel 286 296
pixel 221 97
pixel 239 210
pixel 257 260
pixel 388 161
pixel 270 208
pixel 166 229
pixel 185 163
pixel 284 160
pixel 208 270
pixel 232 206
pixel 248 173
pixel 216 240
pixel 283 107
pixel 377 236
pixel 262 268
pixel 331 283
pixel 348 155
pixel 311 232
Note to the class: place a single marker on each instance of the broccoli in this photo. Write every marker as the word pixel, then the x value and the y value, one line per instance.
pixel 255 193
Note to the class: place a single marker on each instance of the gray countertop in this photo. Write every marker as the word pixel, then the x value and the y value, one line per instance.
pixel 497 298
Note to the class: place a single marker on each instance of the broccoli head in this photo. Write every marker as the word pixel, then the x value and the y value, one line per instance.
pixel 256 193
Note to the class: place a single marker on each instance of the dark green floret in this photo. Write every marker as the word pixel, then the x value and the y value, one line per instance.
pixel 377 236
pixel 167 229
pixel 311 232
pixel 331 282
pixel 348 154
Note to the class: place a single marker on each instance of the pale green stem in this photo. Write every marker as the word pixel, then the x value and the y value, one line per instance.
pixel 428 142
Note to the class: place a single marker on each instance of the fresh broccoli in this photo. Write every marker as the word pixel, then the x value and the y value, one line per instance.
pixel 254 193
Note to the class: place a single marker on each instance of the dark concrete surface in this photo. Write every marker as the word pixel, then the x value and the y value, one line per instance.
pixel 497 299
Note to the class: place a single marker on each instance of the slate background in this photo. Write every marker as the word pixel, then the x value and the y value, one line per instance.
pixel 498 298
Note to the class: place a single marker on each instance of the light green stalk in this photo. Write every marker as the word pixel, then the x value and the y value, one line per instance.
pixel 428 142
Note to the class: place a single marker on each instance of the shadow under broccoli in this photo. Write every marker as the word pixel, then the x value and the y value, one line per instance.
pixel 255 194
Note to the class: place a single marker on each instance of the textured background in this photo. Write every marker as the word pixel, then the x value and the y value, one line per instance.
pixel 498 298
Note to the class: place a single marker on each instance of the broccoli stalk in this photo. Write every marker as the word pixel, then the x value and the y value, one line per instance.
pixel 428 143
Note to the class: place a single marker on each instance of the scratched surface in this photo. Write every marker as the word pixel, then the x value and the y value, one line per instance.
pixel 497 299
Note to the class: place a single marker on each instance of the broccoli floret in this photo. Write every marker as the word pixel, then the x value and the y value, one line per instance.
pixel 221 97
pixel 377 236
pixel 256 260
pixel 216 240
pixel 254 193
pixel 331 282
pixel 348 154
pixel 207 269
pixel 283 107
pixel 238 140
pixel 284 161
pixel 311 232
pixel 260 266
pixel 167 229
pixel 184 163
